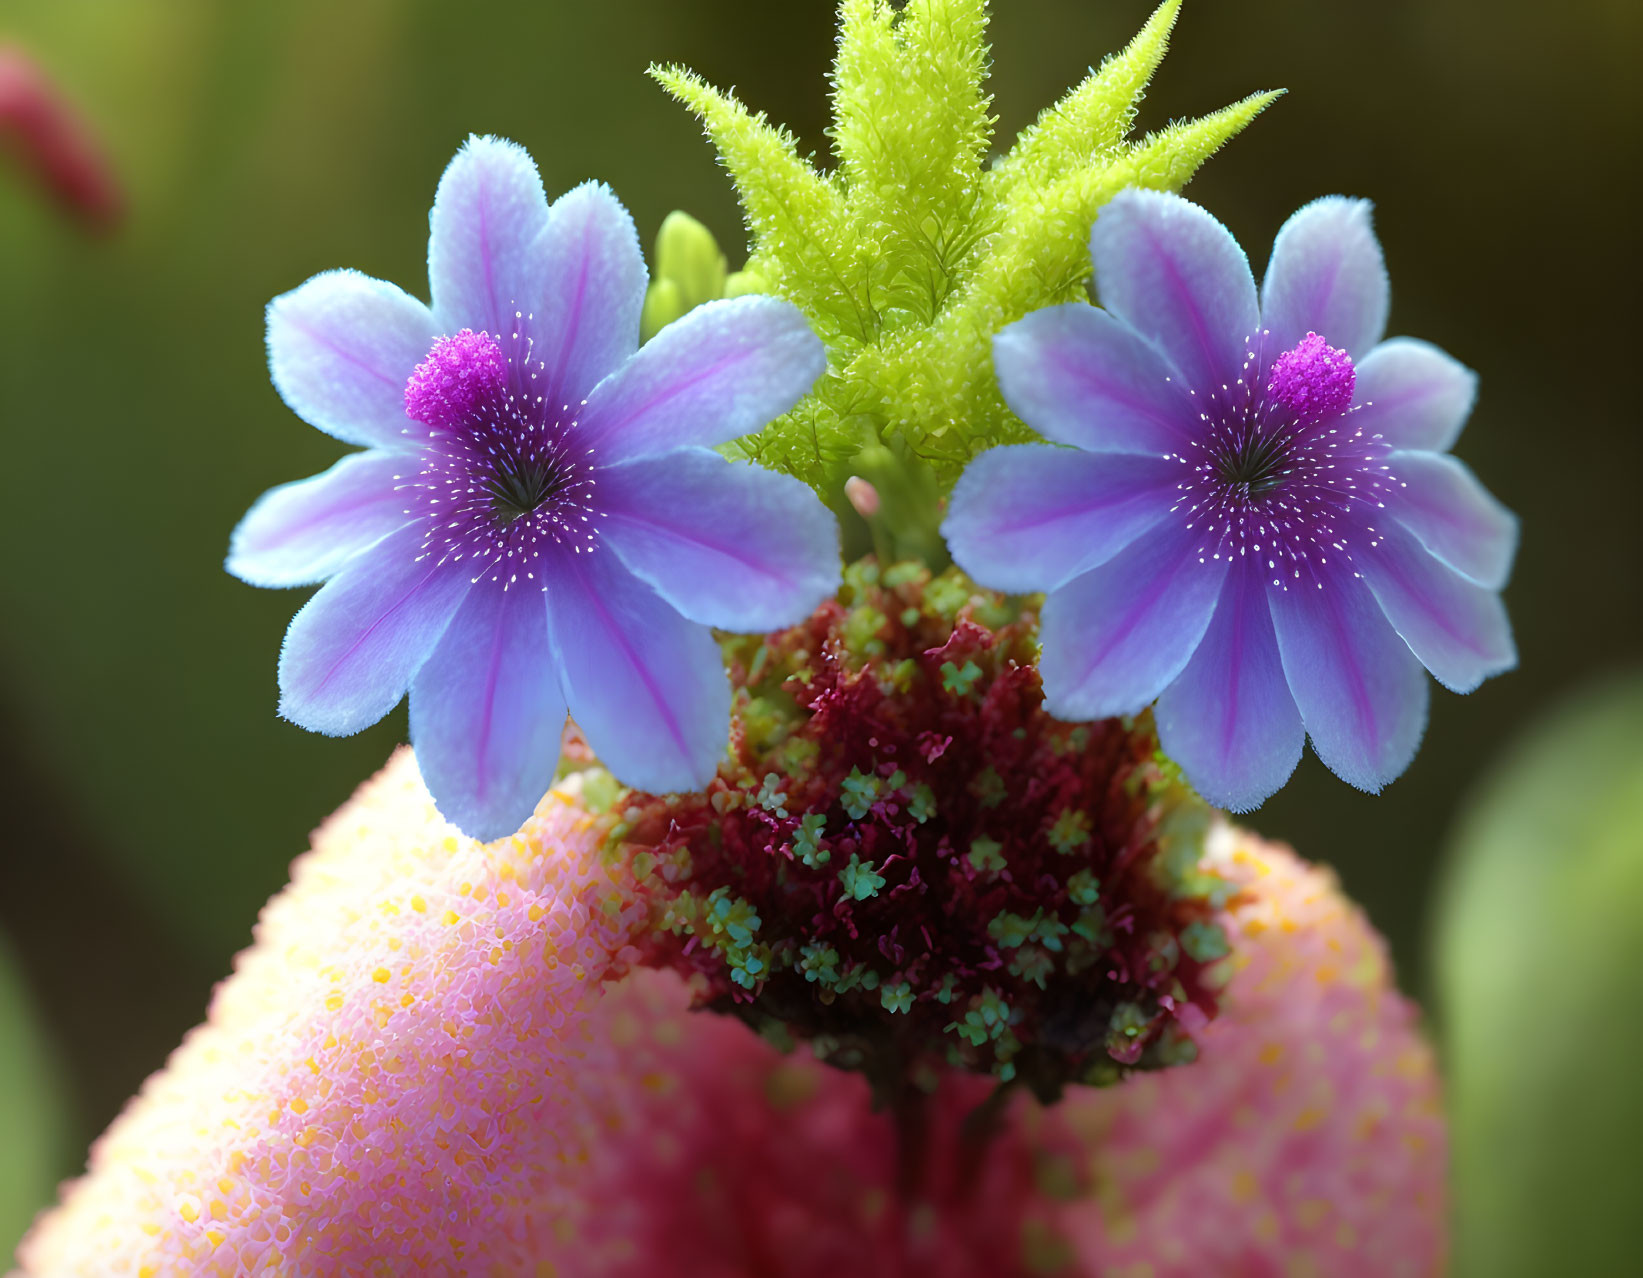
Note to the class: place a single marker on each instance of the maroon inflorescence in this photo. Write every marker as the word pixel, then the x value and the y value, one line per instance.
pixel 908 863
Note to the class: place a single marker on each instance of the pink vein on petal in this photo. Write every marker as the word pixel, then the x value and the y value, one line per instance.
pixel 609 622
pixel 373 627
pixel 331 346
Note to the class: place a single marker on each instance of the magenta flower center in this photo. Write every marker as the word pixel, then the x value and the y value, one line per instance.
pixel 504 480
pixel 1313 380
pixel 1279 472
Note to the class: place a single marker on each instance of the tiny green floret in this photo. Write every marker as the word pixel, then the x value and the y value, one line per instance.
pixel 1011 930
pixel 922 805
pixel 986 1020
pixel 1205 941
pixel 1128 1021
pixel 1032 964
pixel 987 855
pixel 988 787
pixel 897 997
pixel 733 917
pixel 772 798
pixel 959 679
pixel 857 976
pixel 807 840
pixel 859 878
pixel 1083 888
pixel 1070 832
pixel 820 964
pixel 859 792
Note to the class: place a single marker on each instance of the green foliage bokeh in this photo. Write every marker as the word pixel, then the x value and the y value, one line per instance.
pixel 1540 980
pixel 34 1141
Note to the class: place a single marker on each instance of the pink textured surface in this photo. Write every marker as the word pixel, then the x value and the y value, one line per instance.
pixel 1312 380
pixel 1308 1139
pixel 414 1072
pixel 386 1083
pixel 460 374
pixel 719 1157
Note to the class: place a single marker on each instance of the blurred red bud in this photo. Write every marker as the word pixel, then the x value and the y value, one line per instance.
pixel 50 140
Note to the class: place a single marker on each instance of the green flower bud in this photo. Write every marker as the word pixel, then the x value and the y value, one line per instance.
pixel 690 270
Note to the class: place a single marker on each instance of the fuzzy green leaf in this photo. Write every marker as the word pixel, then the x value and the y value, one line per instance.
pixel 910 130
pixel 867 52
pixel 913 253
pixel 787 204
pixel 1167 159
pixel 1087 125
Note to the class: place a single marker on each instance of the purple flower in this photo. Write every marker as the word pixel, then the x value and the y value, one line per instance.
pixel 538 521
pixel 1258 522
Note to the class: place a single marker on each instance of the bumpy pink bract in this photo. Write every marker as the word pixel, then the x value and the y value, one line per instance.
pixel 1308 1139
pixel 383 1084
pixel 718 1156
pixel 417 1069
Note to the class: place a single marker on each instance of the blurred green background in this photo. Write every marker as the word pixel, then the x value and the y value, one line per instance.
pixel 151 798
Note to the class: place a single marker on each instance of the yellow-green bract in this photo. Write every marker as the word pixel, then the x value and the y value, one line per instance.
pixel 911 253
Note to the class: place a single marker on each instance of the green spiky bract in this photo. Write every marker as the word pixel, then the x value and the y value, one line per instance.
pixel 913 251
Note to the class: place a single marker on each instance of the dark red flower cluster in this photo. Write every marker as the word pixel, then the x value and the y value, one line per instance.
pixel 907 863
